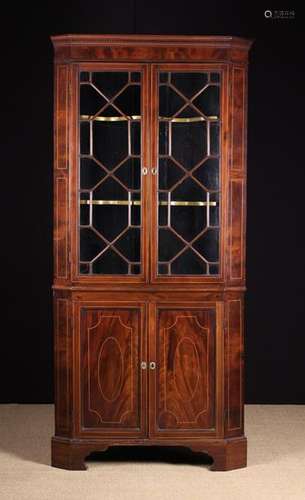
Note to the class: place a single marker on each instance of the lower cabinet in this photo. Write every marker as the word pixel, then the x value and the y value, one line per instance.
pixel 146 370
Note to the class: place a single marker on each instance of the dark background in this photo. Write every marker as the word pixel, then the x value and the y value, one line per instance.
pixel 275 333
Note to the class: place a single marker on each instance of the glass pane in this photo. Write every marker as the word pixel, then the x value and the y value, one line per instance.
pixel 208 174
pixel 163 77
pixel 110 173
pixel 163 268
pixel 129 245
pixel 84 268
pixel 84 138
pixel 129 173
pixel 169 101
pixel 91 173
pixel 214 77
pixel 84 76
pixel 91 101
pixel 129 101
pixel 109 83
pixel 169 173
pixel 110 142
pixel 84 216
pixel 163 138
pixel 110 263
pixel 208 245
pixel 135 138
pixel 163 216
pixel 109 111
pixel 214 138
pixel 189 143
pixel 188 263
pixel 188 221
pixel 91 245
pixel 214 209
pixel 135 77
pixel 135 269
pixel 208 101
pixel 189 83
pixel 189 173
pixel 214 268
pixel 110 221
pixel 169 245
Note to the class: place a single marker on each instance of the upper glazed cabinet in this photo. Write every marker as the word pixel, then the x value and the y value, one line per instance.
pixel 149 153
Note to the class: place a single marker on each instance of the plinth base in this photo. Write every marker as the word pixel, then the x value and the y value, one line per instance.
pixel 227 454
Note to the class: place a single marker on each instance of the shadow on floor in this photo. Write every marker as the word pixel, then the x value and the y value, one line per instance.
pixel 166 454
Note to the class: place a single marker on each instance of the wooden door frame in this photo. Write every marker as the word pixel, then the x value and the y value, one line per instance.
pixel 73 160
pixel 79 431
pixel 188 67
pixel 218 431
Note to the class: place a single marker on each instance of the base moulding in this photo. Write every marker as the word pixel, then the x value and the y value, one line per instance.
pixel 227 454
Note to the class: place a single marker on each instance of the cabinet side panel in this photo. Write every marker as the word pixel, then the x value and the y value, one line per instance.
pixel 60 228
pixel 236 232
pixel 236 205
pixel 238 118
pixel 234 367
pixel 62 366
pixel 61 117
pixel 61 173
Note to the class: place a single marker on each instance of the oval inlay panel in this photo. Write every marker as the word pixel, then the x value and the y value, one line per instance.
pixel 110 369
pixel 186 369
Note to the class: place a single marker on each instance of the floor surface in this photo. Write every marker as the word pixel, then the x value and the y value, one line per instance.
pixel 276 463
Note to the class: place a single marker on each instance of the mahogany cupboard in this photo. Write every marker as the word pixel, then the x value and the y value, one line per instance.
pixel 149 244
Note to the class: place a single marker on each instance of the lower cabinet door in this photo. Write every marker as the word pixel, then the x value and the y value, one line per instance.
pixel 111 343
pixel 182 383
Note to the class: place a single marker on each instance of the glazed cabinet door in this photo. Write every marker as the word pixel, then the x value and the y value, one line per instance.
pixel 189 124
pixel 183 383
pixel 111 166
pixel 110 371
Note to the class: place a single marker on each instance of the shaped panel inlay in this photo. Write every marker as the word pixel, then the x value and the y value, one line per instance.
pixel 186 382
pixel 109 368
pixel 186 360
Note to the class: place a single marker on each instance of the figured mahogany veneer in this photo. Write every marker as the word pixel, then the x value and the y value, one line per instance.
pixel 149 359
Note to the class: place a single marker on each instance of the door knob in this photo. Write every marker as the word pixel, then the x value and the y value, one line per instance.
pixel 143 365
pixel 154 171
pixel 152 365
pixel 144 171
